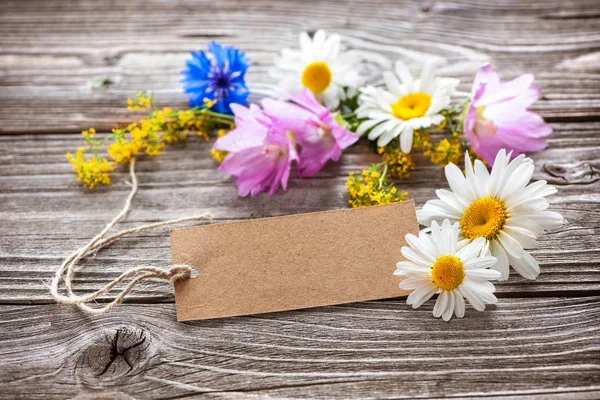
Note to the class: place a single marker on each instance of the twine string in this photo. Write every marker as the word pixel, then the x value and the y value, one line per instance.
pixel 66 272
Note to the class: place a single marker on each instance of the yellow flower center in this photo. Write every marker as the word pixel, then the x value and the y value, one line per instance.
pixel 316 76
pixel 413 105
pixel 485 217
pixel 448 272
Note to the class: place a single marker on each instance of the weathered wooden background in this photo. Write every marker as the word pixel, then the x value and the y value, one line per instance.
pixel 66 66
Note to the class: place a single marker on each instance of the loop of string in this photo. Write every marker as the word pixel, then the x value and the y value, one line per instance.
pixel 66 272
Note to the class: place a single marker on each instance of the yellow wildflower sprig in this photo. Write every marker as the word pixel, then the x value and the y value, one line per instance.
pixel 448 150
pixel 91 171
pixel 148 135
pixel 371 188
pixel 398 164
pixel 142 102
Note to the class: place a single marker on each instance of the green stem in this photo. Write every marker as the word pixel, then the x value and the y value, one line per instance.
pixel 216 114
pixel 383 174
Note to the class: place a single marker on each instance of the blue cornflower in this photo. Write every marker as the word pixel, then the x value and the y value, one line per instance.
pixel 217 74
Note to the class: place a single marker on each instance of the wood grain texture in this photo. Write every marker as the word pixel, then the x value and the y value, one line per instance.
pixel 86 58
pixel 53 215
pixel 541 347
pixel 66 66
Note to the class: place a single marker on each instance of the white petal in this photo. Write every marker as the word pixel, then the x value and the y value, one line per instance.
pixel 472 298
pixel 406 139
pixel 459 304
pixel 509 243
pixel 449 307
pixel 536 189
pixel 526 266
pixel 414 256
pixel 483 289
pixel 414 283
pixel 497 173
pixel 526 223
pixel 305 43
pixel 365 126
pixel 533 206
pixel 481 262
pixel 440 304
pixel 392 83
pixel 439 210
pixel 436 236
pixel 378 130
pixel 482 176
pixel 516 181
pixel 405 75
pixel 420 295
pixel 428 244
pixel 470 176
pixel 457 182
pixel 525 237
pixel 446 238
pixel 452 200
pixel 391 133
pixel 548 219
pixel 454 238
pixel 471 250
pixel 427 76
pixel 489 274
pixel 416 244
pixel 502 264
pixel 319 38
pixel 408 268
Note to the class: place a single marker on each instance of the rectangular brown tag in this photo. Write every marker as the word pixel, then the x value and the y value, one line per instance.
pixel 291 262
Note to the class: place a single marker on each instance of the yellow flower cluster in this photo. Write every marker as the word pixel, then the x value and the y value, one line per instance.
pixel 399 164
pixel 92 171
pixel 149 135
pixel 422 142
pixel 371 188
pixel 448 151
pixel 89 135
pixel 219 155
pixel 142 102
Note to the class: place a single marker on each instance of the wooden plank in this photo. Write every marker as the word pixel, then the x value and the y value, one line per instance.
pixel 53 60
pixel 540 347
pixel 66 67
pixel 46 214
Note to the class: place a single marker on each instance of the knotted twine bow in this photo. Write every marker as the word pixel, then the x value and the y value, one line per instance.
pixel 137 274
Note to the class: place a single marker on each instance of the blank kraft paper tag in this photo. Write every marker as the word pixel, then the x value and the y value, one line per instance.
pixel 291 262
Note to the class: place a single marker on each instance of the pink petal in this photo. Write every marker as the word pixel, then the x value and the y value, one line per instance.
pixel 307 100
pixel 485 75
pixel 240 138
pixel 343 136
pixel 289 116
pixel 507 90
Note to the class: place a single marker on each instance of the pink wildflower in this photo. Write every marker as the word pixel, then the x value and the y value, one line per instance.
pixel 320 136
pixel 260 150
pixel 498 116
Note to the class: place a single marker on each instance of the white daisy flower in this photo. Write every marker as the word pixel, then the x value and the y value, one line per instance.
pixel 404 107
pixel 437 264
pixel 498 206
pixel 320 66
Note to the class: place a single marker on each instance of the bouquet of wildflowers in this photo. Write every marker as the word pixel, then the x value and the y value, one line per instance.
pixel 324 104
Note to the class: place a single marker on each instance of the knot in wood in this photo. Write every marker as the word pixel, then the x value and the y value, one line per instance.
pixel 574 173
pixel 118 355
